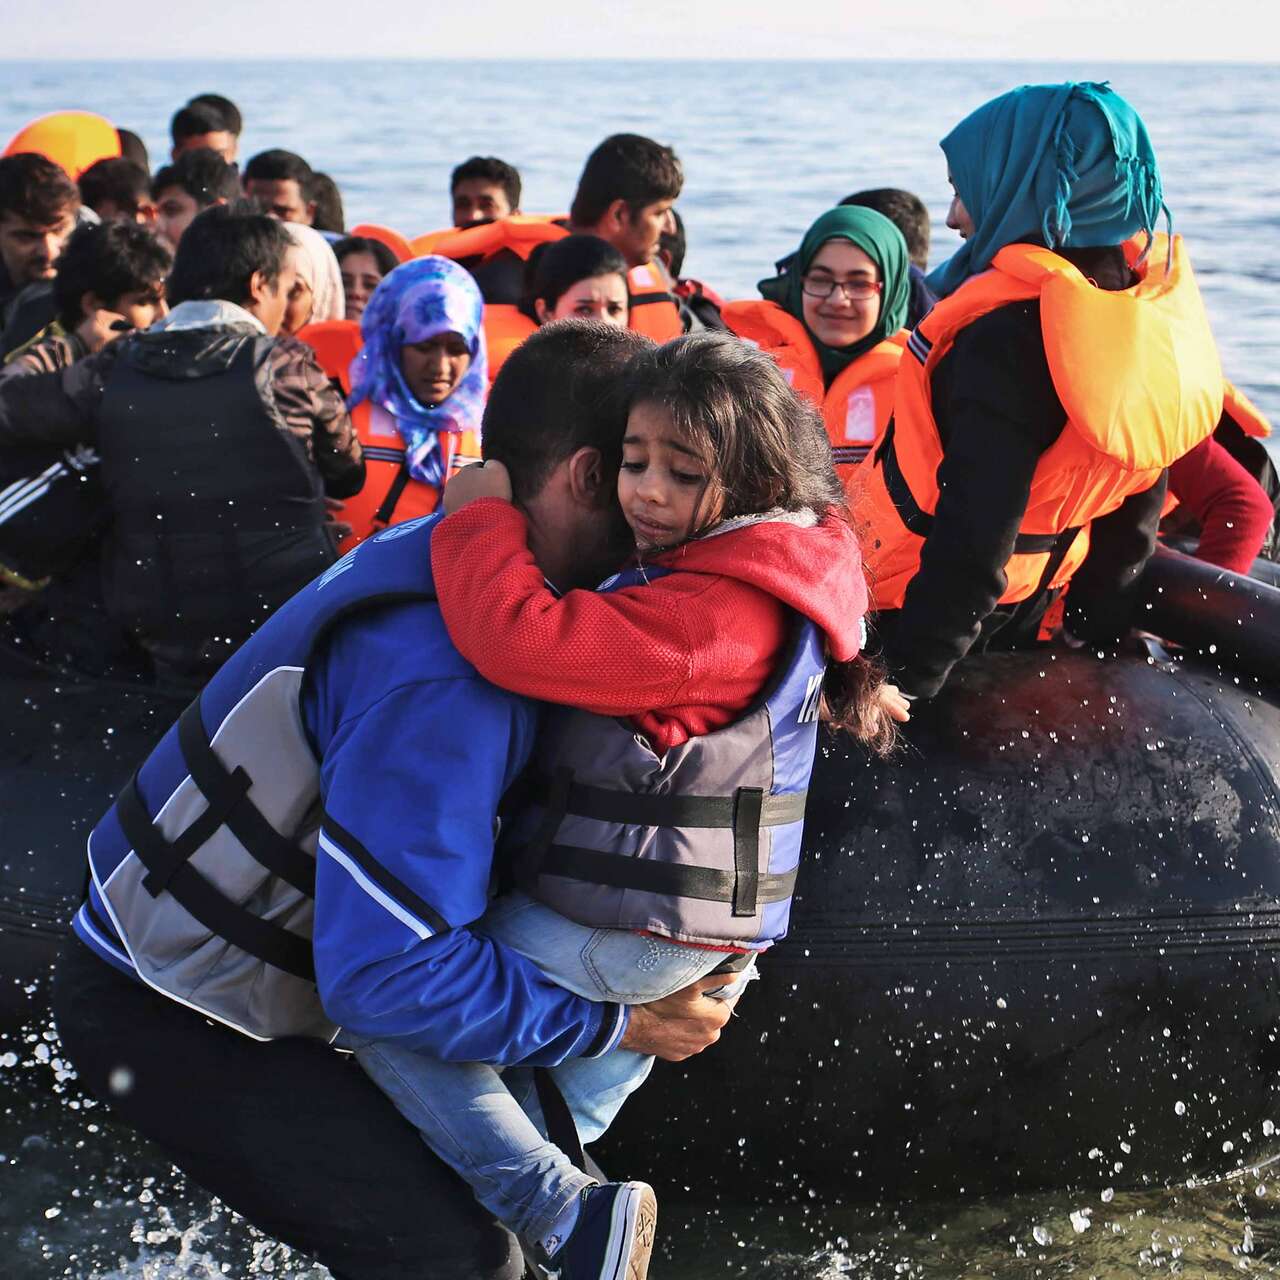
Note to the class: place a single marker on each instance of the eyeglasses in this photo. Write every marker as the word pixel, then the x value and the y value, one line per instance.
pixel 854 290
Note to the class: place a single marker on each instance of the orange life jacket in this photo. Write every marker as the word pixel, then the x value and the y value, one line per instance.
pixel 859 403
pixel 1136 370
pixel 1250 419
pixel 505 328
pixel 653 311
pixel 390 494
pixel 385 235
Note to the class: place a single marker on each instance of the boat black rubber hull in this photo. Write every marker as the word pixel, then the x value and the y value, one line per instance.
pixel 66 749
pixel 1040 948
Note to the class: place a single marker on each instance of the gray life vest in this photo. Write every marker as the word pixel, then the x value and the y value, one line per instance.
pixel 202 874
pixel 700 844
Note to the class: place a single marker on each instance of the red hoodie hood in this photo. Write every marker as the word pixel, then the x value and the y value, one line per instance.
pixel 815 569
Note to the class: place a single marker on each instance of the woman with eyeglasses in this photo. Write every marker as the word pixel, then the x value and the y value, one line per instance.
pixel 834 321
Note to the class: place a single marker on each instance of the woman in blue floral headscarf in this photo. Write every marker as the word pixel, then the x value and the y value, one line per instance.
pixel 423 363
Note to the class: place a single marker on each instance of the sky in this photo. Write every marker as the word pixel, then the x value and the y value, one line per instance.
pixel 1098 30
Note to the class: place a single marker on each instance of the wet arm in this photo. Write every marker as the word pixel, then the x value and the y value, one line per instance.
pixel 410 786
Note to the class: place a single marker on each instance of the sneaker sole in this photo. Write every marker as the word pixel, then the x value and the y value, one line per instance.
pixel 635 1225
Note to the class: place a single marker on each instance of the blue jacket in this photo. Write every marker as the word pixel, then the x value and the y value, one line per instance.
pixel 415 751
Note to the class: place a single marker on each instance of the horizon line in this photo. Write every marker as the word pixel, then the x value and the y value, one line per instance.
pixel 152 58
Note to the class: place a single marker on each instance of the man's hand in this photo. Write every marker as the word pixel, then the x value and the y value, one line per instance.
pixel 681 1024
pixel 480 480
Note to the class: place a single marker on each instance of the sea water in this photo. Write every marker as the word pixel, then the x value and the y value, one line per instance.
pixel 766 147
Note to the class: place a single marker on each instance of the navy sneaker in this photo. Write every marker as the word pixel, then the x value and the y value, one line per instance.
pixel 613 1237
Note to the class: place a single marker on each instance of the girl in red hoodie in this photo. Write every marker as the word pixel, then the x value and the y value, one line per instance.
pixel 727 485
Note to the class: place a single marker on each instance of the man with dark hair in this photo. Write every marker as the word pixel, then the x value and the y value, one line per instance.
pixel 625 195
pixel 200 124
pixel 281 183
pixel 379 750
pixel 194 182
pixel 218 447
pixel 116 189
pixel 484 188
pixel 226 108
pixel 110 281
pixel 910 215
pixel 133 148
pixel 38 207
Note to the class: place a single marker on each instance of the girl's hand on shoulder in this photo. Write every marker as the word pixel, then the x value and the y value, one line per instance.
pixel 480 480
pixel 895 703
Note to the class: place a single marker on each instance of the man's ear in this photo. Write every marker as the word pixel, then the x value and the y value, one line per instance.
pixel 541 310
pixel 259 289
pixel 311 213
pixel 617 215
pixel 587 481
pixel 89 303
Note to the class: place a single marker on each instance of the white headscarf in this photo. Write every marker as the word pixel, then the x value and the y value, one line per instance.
pixel 319 268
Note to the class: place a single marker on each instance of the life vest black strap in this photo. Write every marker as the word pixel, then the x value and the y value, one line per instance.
pixel 920 522
pixel 169 868
pixel 747 807
pixel 240 815
pixel 162 857
pixel 671 879
pixel 630 808
pixel 649 299
pixel 386 509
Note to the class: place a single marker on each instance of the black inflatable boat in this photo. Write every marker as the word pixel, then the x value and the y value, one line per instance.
pixel 1041 947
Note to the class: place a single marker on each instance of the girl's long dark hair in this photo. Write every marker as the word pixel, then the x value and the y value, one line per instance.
pixel 768 449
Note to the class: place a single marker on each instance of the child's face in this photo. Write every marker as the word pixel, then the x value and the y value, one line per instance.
pixel 667 492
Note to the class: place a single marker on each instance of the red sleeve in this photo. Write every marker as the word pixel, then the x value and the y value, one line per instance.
pixel 622 653
pixel 1232 507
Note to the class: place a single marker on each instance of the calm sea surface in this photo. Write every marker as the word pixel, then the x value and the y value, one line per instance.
pixel 766 147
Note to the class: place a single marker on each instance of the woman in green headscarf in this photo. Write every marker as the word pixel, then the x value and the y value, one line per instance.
pixel 834 323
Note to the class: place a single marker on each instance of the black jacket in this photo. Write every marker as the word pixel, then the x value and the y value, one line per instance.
pixel 215 505
pixel 997 411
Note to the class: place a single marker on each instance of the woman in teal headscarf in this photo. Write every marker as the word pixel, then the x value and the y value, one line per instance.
pixel 834 322
pixel 1068 166
pixel 1065 366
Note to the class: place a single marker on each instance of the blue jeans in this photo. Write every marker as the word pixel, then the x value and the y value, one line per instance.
pixel 485 1121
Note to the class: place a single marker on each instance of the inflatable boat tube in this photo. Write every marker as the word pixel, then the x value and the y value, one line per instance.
pixel 1226 618
pixel 66 749
pixel 1039 948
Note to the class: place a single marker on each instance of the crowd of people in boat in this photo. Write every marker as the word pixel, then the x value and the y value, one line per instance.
pixel 226 429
